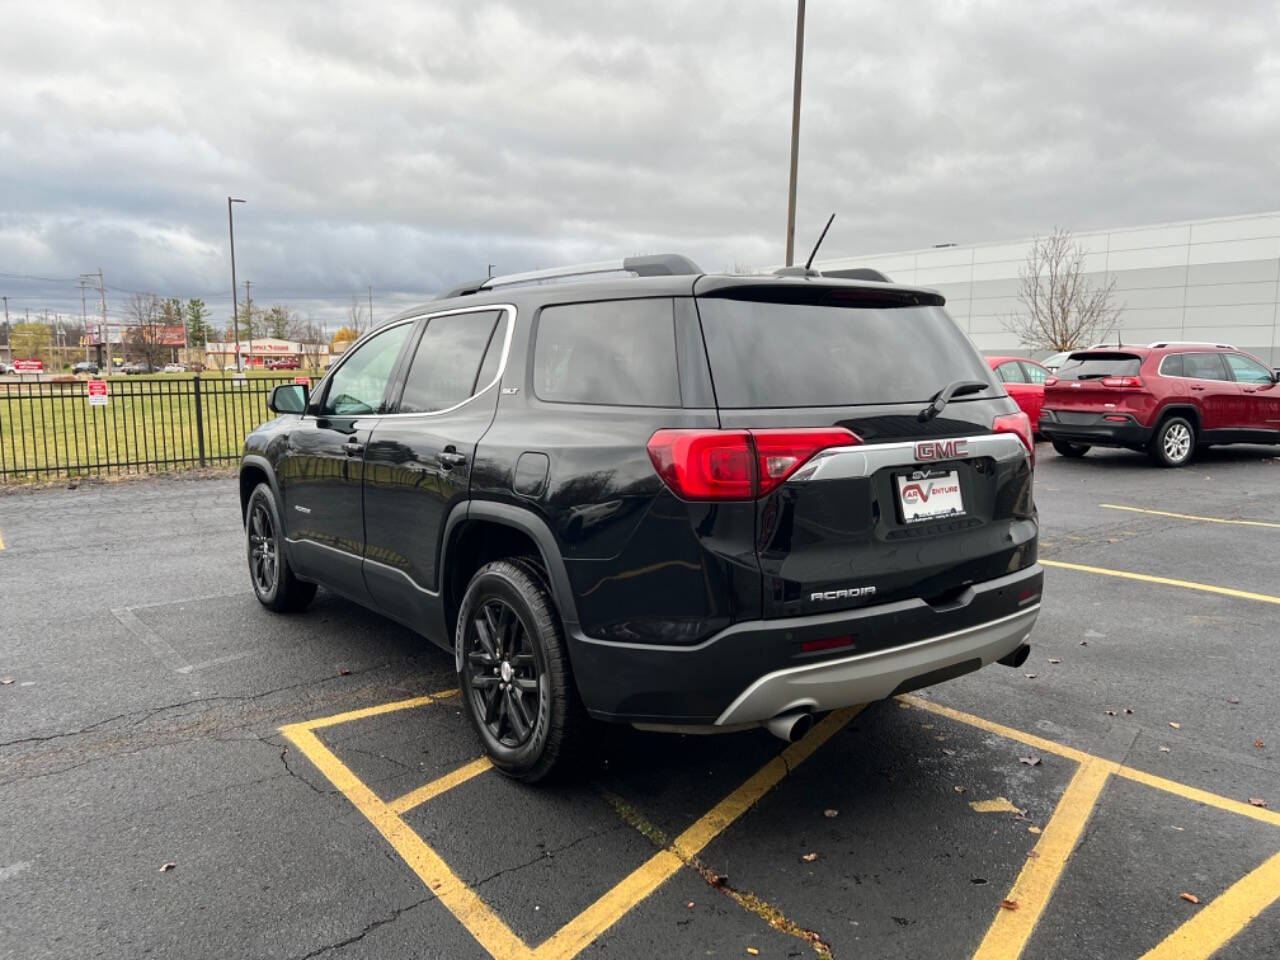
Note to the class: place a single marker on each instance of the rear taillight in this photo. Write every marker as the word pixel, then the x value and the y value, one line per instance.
pixel 1122 381
pixel 736 464
pixel 1020 424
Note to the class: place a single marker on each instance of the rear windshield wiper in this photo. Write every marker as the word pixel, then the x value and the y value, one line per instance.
pixel 940 399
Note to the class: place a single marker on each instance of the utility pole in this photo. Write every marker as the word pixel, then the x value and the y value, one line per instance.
pixel 248 318
pixel 235 306
pixel 370 306
pixel 103 337
pixel 84 317
pixel 795 134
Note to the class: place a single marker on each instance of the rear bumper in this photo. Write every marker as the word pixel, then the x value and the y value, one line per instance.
pixel 754 670
pixel 1093 429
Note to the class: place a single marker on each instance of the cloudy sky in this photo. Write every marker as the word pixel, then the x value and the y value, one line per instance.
pixel 407 145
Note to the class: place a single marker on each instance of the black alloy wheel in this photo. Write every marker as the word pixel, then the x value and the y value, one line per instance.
pixel 263 561
pixel 506 679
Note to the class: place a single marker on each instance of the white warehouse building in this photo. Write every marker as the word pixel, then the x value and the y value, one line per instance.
pixel 1210 280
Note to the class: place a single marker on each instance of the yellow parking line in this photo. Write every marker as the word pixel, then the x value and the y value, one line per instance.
pixel 1200 796
pixel 1222 919
pixel 394 705
pixel 474 914
pixel 1191 516
pixel 1164 581
pixel 610 908
pixel 436 787
pixel 1009 733
pixel 1 542
pixel 1011 929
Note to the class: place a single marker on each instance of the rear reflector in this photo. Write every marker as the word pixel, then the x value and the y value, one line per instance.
pixel 736 464
pixel 1116 419
pixel 1020 424
pixel 828 643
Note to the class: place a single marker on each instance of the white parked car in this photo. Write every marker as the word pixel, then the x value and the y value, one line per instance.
pixel 174 368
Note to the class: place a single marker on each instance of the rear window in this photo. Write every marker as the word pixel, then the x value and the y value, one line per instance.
pixel 1095 366
pixel 617 352
pixel 805 355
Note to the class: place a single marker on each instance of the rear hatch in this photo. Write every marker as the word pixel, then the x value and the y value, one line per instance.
pixel 903 506
pixel 1092 382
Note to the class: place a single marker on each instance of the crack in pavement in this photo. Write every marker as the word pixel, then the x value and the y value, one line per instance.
pixel 548 854
pixel 369 928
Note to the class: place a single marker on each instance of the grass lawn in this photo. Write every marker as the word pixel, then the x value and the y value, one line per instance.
pixel 148 423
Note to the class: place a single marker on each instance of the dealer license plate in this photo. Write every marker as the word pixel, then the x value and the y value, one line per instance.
pixel 930 494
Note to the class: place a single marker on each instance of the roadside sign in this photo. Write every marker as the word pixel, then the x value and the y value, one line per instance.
pixel 28 366
pixel 304 381
pixel 98 392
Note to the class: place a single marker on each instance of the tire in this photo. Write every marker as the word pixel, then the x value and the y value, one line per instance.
pixel 1174 443
pixel 1067 449
pixel 274 582
pixel 514 673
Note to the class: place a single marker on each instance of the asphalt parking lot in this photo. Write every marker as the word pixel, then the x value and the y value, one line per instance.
pixel 183 774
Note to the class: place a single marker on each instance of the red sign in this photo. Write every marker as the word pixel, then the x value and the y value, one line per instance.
pixel 28 366
pixel 98 392
pixel 305 381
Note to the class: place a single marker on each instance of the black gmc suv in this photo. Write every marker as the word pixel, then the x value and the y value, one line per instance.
pixel 660 497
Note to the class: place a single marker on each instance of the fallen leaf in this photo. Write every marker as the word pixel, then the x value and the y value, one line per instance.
pixel 829 813
pixel 1054 660
pixel 1128 710
pixel 809 857
pixel 753 952
pixel 958 789
pixel 1257 801
pixel 948 752
pixel 1111 713
pixel 998 805
pixel 1030 676
pixel 1033 829
pixel 717 879
pixel 1233 699
pixel 1009 904
pixel 1259 744
pixel 689 905
pixel 1176 726
pixel 1164 749
pixel 1189 897
pixel 1031 761
pixel 926 726
pixel 904 706
pixel 1084 643
pixel 1033 854
pixel 6 680
pixel 166 867
pixel 344 672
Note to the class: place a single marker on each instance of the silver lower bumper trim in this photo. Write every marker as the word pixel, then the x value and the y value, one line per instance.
pixel 865 677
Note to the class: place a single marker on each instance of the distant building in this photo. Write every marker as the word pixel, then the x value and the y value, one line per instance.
pixel 222 355
pixel 1215 280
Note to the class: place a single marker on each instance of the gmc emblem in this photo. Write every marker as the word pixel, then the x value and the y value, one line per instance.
pixel 941 449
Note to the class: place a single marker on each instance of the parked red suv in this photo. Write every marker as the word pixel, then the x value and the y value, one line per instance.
pixel 1166 398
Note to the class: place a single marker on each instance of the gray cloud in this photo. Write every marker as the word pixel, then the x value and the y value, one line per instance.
pixel 407 145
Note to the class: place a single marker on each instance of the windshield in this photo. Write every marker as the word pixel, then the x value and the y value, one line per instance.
pixel 805 355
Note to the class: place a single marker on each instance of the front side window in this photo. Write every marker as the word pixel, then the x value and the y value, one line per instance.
pixel 617 352
pixel 358 386
pixel 1035 373
pixel 1205 366
pixel 444 367
pixel 1246 370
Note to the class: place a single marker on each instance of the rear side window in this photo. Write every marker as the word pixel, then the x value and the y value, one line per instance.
pixel 1171 366
pixel 808 355
pixel 1095 366
pixel 1011 372
pixel 444 367
pixel 1035 373
pixel 616 352
pixel 1204 366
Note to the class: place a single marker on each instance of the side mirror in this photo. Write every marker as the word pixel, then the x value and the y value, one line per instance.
pixel 288 398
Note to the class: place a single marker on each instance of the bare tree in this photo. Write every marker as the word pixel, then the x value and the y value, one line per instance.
pixel 311 339
pixel 148 335
pixel 1061 308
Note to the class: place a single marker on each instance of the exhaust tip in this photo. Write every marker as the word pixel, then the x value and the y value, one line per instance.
pixel 1016 657
pixel 790 726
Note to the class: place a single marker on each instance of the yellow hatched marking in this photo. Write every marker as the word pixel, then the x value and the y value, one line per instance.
pixel 450 780
pixel 1191 516
pixel 1009 733
pixel 361 714
pixel 610 908
pixel 1164 581
pixel 1200 796
pixel 472 912
pixel 1012 928
pixel 1222 919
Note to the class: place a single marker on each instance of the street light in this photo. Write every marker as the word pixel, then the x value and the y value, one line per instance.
pixel 235 303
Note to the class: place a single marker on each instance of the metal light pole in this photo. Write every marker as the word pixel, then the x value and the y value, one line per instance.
pixel 235 303
pixel 795 134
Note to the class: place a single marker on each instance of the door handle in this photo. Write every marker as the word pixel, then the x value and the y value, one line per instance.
pixel 353 448
pixel 451 458
pixel 1197 386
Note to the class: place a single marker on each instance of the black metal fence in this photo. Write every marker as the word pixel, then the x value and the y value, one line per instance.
pixel 51 429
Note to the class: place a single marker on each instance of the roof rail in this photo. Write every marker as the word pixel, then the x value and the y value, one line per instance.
pixel 1188 343
pixel 655 265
